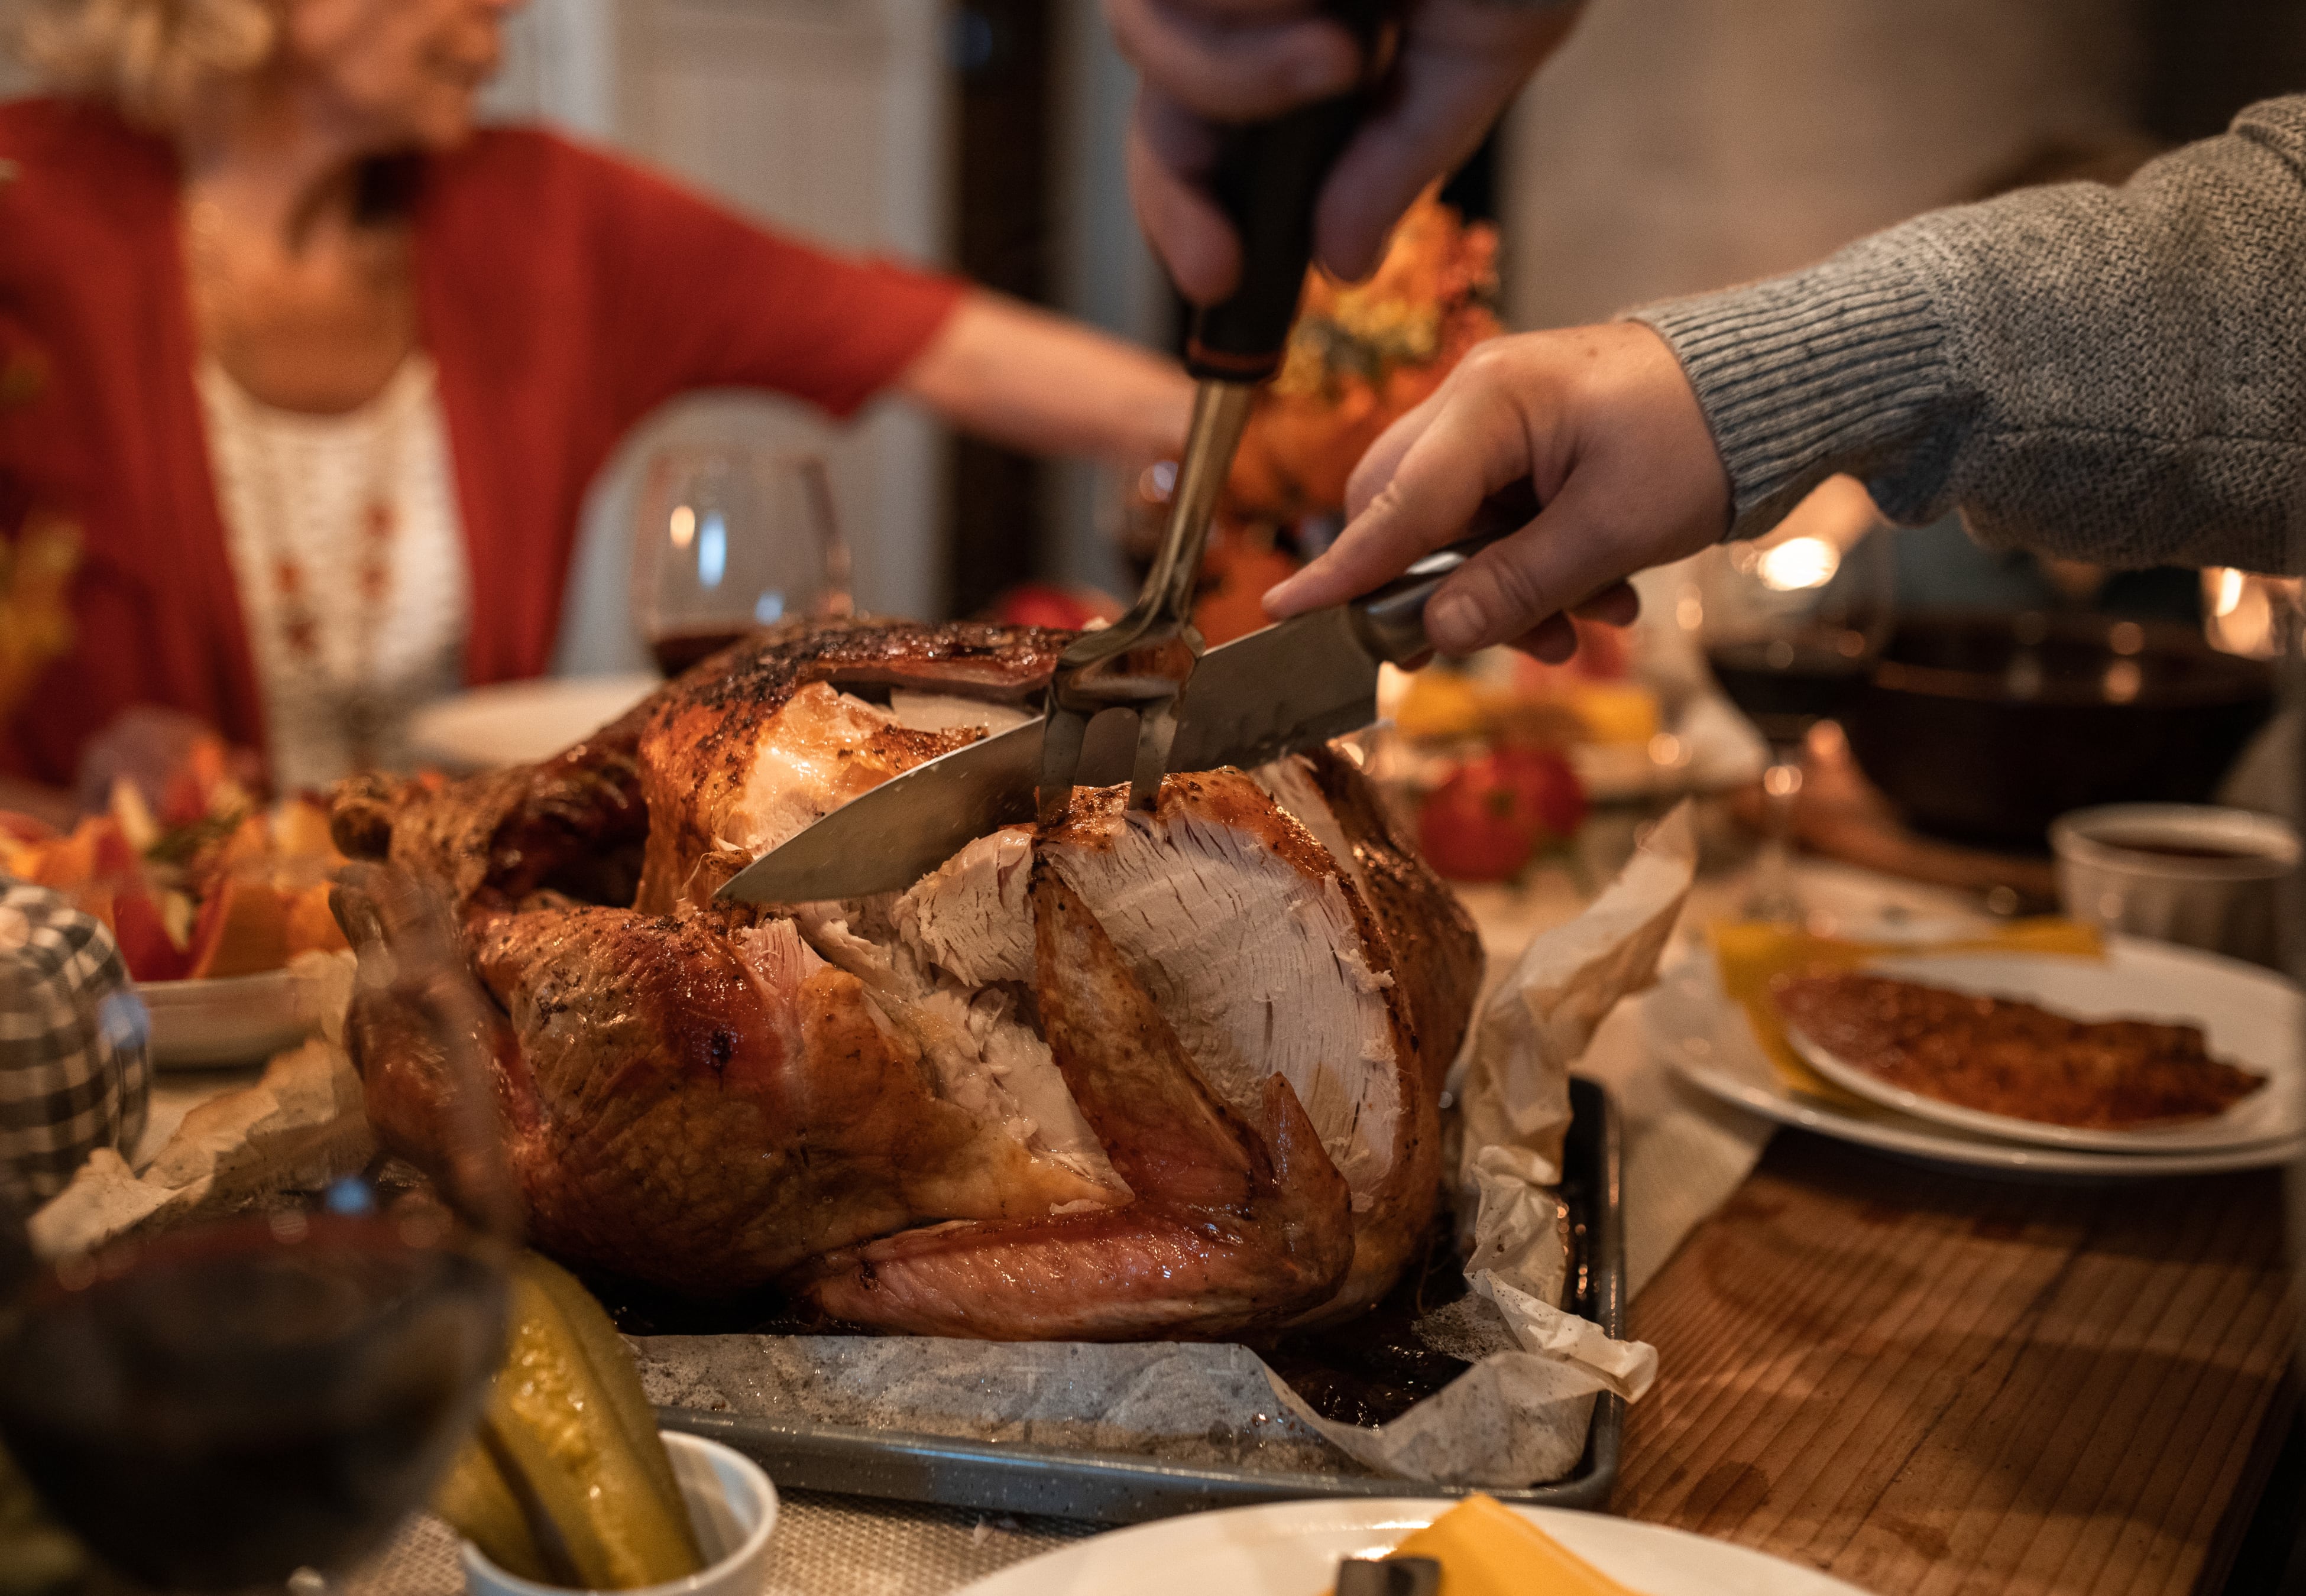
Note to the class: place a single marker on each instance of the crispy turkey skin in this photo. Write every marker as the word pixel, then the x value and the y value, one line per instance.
pixel 1166 1075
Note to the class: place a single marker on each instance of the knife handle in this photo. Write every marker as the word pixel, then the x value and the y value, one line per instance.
pixel 1391 621
pixel 1266 178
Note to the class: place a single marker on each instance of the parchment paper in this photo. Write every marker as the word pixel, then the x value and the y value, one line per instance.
pixel 1517 1417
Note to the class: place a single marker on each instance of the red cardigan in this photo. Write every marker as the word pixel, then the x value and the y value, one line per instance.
pixel 563 295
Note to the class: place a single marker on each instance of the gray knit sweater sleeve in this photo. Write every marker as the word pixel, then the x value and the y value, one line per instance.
pixel 2116 375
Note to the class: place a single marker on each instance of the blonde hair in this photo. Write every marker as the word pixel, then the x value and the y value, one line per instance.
pixel 147 58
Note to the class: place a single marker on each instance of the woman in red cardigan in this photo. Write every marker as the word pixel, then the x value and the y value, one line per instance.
pixel 324 372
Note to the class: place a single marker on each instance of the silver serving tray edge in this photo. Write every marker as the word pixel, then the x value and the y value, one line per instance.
pixel 1124 1488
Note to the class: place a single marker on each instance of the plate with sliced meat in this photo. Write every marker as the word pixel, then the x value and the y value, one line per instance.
pixel 2158 1052
pixel 2250 1018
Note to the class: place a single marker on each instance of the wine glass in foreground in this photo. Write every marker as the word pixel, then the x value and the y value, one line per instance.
pixel 727 539
pixel 220 1403
pixel 1791 625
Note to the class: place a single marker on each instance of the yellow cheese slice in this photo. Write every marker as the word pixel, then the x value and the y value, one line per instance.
pixel 1486 1548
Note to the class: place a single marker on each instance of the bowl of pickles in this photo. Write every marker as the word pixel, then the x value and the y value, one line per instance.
pixel 569 1485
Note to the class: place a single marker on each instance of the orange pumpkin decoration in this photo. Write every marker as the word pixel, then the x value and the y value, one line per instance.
pixel 1360 356
pixel 243 930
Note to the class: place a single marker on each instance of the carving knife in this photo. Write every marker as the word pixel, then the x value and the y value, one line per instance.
pixel 1290 687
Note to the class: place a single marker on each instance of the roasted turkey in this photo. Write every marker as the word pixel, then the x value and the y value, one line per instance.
pixel 1132 1076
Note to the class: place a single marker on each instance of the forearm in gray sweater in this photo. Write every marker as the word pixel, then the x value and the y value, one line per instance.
pixel 2116 375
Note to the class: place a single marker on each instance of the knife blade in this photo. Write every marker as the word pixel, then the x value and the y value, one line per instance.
pixel 1289 686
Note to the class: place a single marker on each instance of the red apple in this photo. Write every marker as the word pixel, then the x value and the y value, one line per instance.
pixel 1045 604
pixel 143 938
pixel 1493 814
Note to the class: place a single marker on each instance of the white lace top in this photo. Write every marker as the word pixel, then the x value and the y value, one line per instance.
pixel 371 633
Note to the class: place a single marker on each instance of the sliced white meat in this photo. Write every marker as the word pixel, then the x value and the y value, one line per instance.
pixel 972 916
pixel 984 1054
pixel 1243 930
pixel 780 960
pixel 1289 782
pixel 943 712
pixel 822 749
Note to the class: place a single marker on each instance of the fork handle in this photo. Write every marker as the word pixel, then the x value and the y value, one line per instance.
pixel 1390 621
pixel 1266 178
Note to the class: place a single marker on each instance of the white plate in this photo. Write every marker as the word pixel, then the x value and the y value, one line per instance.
pixel 1706 1038
pixel 2248 1017
pixel 1292 1549
pixel 237 1019
pixel 520 722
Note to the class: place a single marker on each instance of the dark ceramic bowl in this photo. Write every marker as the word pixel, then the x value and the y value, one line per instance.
pixel 1985 726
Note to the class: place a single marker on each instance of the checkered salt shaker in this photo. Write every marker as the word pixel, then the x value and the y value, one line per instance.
pixel 74 1069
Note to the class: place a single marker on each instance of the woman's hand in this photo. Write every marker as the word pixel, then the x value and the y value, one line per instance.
pixel 1209 63
pixel 1601 421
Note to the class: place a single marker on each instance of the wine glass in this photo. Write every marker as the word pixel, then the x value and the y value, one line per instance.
pixel 1792 625
pixel 216 1404
pixel 729 540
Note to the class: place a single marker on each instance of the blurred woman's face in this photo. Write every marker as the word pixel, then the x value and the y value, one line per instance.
pixel 396 73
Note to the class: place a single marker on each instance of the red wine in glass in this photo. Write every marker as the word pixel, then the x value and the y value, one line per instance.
pixel 727 539
pixel 209 1412
pixel 1791 627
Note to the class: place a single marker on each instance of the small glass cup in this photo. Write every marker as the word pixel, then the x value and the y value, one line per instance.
pixel 731 540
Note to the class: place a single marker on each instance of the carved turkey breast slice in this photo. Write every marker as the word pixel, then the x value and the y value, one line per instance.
pixel 1258 951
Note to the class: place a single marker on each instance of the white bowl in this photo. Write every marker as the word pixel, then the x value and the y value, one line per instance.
pixel 224 1020
pixel 731 1506
pixel 2114 872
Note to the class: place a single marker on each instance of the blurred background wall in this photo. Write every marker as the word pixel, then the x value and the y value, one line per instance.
pixel 1679 145
pixel 1674 145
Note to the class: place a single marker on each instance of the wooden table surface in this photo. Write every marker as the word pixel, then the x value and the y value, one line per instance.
pixel 1923 1383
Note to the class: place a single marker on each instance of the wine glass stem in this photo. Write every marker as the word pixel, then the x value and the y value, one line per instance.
pixel 1773 896
pixel 836 597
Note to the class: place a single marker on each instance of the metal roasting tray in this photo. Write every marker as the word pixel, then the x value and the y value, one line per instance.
pixel 1123 1488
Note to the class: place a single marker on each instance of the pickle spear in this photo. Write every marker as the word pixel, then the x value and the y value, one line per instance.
pixel 613 1366
pixel 567 1481
pixel 477 1500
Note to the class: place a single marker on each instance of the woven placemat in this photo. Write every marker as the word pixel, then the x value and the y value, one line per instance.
pixel 824 1546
